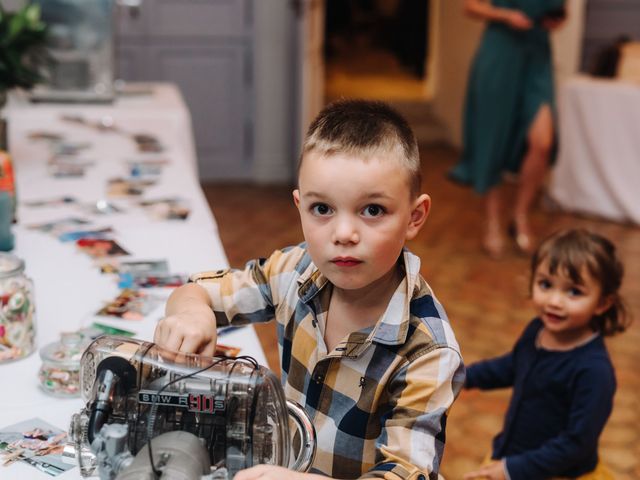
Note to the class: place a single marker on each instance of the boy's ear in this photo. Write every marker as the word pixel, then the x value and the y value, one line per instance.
pixel 296 197
pixel 419 214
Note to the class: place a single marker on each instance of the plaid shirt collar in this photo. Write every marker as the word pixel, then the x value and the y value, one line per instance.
pixel 393 326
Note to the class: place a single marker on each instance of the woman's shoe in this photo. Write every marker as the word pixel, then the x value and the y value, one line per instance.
pixel 493 242
pixel 524 241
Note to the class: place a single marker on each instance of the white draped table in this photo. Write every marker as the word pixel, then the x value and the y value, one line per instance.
pixel 69 288
pixel 598 166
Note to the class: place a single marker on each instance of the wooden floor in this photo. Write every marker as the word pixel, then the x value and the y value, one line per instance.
pixel 486 300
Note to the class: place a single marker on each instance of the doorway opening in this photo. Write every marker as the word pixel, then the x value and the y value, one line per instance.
pixel 377 49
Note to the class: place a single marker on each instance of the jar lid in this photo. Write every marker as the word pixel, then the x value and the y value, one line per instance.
pixel 10 265
pixel 67 351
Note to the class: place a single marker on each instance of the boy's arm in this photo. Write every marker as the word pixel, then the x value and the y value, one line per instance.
pixel 411 443
pixel 221 298
pixel 591 406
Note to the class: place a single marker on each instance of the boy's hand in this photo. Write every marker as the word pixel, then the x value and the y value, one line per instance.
pixel 271 472
pixel 492 471
pixel 190 324
pixel 188 333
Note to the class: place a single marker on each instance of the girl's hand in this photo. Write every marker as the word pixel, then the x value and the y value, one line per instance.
pixel 271 472
pixel 518 20
pixel 492 471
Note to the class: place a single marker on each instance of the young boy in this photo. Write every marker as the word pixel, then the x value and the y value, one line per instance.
pixel 365 346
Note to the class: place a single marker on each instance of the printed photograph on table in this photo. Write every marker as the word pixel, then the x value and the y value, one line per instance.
pixel 58 227
pixel 35 442
pixel 45 135
pixel 74 235
pixel 123 187
pixel 100 247
pixel 97 329
pixel 50 202
pixel 131 305
pixel 169 280
pixel 147 167
pixel 101 207
pixel 135 267
pixel 167 208
pixel 226 351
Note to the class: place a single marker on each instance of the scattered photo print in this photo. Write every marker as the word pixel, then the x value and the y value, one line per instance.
pixel 167 208
pixel 131 305
pixel 100 247
pixel 144 267
pixel 58 227
pixel 34 442
pixel 102 207
pixel 97 329
pixel 226 351
pixel 50 202
pixel 127 280
pixel 66 170
pixel 124 187
pixel 146 167
pixel 45 135
pixel 73 235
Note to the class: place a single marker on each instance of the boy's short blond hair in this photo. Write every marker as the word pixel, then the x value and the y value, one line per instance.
pixel 363 128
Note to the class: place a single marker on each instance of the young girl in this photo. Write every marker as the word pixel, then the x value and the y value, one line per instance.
pixel 562 378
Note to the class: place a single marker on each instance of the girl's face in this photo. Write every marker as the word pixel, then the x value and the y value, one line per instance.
pixel 565 307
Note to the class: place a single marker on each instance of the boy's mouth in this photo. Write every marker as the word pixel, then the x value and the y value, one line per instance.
pixel 346 261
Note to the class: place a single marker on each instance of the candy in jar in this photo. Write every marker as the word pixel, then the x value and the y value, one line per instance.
pixel 17 312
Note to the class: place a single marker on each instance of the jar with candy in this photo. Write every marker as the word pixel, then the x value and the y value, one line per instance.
pixel 59 374
pixel 17 312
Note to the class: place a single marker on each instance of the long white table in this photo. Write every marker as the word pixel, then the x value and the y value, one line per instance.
pixel 69 288
pixel 598 165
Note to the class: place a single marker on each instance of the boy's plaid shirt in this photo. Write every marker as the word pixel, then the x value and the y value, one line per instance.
pixel 379 400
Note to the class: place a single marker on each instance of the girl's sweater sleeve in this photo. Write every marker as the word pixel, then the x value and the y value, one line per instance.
pixel 494 373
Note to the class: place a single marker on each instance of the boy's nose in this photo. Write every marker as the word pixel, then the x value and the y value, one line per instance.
pixel 345 231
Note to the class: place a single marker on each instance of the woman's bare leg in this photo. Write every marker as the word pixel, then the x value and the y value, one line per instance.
pixel 493 241
pixel 532 173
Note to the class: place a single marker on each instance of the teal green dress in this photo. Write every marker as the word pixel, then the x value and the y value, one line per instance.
pixel 511 78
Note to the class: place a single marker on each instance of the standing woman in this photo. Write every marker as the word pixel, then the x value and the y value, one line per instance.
pixel 509 112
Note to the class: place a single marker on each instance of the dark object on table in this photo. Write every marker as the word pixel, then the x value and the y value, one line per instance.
pixel 606 63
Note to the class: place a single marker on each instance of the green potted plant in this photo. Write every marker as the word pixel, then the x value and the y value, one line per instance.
pixel 22 42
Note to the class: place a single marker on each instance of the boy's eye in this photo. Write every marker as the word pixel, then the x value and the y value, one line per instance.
pixel 373 211
pixel 320 209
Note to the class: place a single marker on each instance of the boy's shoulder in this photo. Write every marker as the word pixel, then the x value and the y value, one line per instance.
pixel 427 323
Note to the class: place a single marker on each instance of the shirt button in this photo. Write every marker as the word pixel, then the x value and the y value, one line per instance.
pixel 319 378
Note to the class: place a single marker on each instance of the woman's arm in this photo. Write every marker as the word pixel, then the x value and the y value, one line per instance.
pixel 484 10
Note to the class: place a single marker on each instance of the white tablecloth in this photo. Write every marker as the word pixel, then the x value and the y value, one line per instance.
pixel 69 288
pixel 598 165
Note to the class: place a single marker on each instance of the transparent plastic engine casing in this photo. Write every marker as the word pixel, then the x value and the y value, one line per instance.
pixel 236 406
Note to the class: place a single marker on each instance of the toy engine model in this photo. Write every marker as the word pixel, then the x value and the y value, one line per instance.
pixel 233 410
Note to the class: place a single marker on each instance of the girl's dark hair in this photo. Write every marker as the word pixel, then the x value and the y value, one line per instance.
pixel 570 251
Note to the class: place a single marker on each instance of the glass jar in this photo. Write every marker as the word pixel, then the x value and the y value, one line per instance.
pixel 59 374
pixel 17 311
